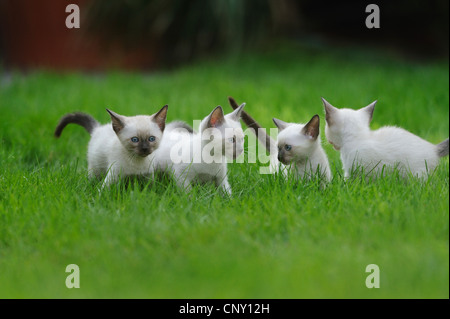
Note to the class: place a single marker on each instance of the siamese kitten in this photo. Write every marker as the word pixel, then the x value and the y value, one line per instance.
pixel 121 148
pixel 388 147
pixel 202 157
pixel 298 146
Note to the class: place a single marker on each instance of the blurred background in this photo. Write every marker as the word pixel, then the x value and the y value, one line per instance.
pixel 158 34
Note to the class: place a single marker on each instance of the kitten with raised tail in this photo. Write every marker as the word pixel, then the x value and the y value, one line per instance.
pixel 298 146
pixel 123 147
pixel 202 156
pixel 375 151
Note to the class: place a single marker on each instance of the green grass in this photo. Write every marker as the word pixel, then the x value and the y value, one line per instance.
pixel 272 239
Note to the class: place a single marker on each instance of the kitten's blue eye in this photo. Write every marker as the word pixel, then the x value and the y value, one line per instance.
pixel 287 147
pixel 135 139
pixel 232 139
pixel 152 138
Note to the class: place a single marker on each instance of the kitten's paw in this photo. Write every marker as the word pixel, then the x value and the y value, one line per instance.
pixel 99 191
pixel 225 192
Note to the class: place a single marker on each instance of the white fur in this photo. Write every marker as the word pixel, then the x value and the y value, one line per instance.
pixel 110 153
pixel 307 156
pixel 194 168
pixel 388 147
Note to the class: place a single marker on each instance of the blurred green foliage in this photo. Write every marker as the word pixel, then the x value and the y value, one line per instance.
pixel 182 29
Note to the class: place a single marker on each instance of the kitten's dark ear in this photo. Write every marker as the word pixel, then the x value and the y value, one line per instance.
pixel 312 128
pixel 330 110
pixel 160 117
pixel 369 110
pixel 118 122
pixel 216 117
pixel 280 124
pixel 236 114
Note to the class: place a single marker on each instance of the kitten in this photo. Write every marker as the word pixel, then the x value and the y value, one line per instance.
pixel 202 157
pixel 121 148
pixel 298 146
pixel 388 147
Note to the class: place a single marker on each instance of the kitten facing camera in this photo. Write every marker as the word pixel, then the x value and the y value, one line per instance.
pixel 377 151
pixel 122 148
pixel 202 156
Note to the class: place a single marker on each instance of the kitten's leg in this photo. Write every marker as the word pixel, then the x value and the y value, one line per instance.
pixel 185 184
pixel 223 185
pixel 151 173
pixel 346 174
pixel 183 180
pixel 91 174
pixel 347 171
pixel 94 171
pixel 274 164
pixel 110 178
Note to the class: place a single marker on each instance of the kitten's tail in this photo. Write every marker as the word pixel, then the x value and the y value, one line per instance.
pixel 260 132
pixel 442 148
pixel 178 124
pixel 85 120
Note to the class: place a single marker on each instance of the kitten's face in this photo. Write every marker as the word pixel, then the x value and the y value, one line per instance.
pixel 227 131
pixel 346 122
pixel 296 142
pixel 141 134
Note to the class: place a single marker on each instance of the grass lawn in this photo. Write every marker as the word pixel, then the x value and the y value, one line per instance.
pixel 273 238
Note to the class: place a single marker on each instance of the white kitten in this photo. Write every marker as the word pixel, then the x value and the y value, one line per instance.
pixel 298 146
pixel 202 157
pixel 374 151
pixel 121 148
